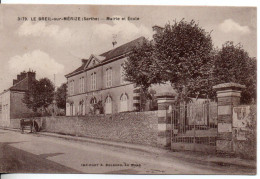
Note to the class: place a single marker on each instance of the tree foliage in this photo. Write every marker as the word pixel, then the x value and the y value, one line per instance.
pixel 180 53
pixel 233 64
pixel 140 67
pixel 40 96
pixel 183 54
pixel 183 51
pixel 60 96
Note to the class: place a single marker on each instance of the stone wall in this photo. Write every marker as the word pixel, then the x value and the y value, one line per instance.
pixel 244 131
pixel 130 127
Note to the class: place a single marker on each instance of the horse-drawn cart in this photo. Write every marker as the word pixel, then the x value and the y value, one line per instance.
pixel 31 123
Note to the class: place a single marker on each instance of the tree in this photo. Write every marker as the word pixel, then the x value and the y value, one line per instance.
pixel 183 52
pixel 233 64
pixel 60 96
pixel 180 53
pixel 40 96
pixel 141 69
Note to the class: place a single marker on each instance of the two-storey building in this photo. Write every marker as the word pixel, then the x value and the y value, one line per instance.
pixel 101 78
pixel 11 105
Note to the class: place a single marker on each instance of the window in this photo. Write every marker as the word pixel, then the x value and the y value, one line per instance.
pixel 81 85
pixel 67 109
pixel 93 81
pixel 109 77
pixel 70 109
pixel 81 110
pixel 71 87
pixel 93 101
pixel 123 102
pixel 108 105
pixel 122 75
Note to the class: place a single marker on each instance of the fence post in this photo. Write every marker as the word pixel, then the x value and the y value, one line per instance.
pixel 164 100
pixel 228 95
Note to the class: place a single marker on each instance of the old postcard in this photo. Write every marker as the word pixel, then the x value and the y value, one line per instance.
pixel 103 89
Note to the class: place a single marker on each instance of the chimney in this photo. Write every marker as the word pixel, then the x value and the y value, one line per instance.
pixel 31 78
pixel 14 81
pixel 18 78
pixel 31 75
pixel 157 29
pixel 83 61
pixel 23 75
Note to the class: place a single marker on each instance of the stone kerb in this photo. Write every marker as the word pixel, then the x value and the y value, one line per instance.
pixel 164 100
pixel 228 95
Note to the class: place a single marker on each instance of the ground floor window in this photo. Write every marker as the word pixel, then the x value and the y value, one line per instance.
pixel 81 108
pixel 108 105
pixel 67 109
pixel 93 101
pixel 72 109
pixel 123 102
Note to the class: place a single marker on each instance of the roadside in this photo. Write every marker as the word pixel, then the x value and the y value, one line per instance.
pixel 195 157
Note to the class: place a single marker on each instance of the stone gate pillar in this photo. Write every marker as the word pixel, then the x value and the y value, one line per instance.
pixel 164 100
pixel 228 95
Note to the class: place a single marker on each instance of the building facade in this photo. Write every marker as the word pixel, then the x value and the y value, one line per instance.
pixel 101 79
pixel 11 105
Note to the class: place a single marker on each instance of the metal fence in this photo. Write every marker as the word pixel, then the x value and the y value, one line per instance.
pixel 194 127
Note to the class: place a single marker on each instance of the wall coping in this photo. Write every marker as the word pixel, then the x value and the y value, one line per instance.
pixel 166 95
pixel 94 115
pixel 224 86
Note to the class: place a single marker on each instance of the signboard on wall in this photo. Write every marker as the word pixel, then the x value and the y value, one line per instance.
pixel 240 116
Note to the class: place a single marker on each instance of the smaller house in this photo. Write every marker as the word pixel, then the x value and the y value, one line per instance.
pixel 11 105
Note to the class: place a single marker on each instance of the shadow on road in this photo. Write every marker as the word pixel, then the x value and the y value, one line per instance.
pixel 13 160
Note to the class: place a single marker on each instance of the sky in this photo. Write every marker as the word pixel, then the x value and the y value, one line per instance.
pixel 57 47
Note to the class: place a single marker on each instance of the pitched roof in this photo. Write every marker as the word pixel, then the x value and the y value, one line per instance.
pixel 79 68
pixel 21 85
pixel 123 49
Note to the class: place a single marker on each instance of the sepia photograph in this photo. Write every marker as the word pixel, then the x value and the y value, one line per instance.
pixel 128 89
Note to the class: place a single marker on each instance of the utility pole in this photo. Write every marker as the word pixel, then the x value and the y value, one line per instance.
pixel 54 80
